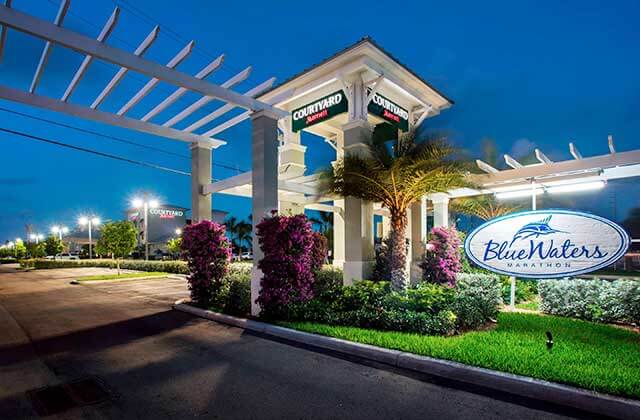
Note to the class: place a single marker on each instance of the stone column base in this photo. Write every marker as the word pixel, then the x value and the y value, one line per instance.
pixel 415 273
pixel 356 270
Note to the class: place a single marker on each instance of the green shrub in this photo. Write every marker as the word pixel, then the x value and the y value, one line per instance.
pixel 425 309
pixel 235 296
pixel 593 300
pixel 526 290
pixel 8 260
pixel 478 297
pixel 425 297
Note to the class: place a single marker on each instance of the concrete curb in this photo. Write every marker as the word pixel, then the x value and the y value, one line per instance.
pixel 550 392
pixel 76 281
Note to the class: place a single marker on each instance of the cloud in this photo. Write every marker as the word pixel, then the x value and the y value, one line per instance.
pixel 522 147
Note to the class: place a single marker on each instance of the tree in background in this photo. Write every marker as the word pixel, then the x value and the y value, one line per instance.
pixel 397 173
pixel 36 250
pixel 239 231
pixel 173 247
pixel 53 245
pixel 243 234
pixel 485 207
pixel 117 239
pixel 19 250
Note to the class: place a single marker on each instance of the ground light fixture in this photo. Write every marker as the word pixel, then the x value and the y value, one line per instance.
pixel 90 222
pixel 145 203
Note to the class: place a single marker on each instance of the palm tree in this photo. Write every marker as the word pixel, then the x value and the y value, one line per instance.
pixel 243 234
pixel 486 207
pixel 396 177
pixel 231 223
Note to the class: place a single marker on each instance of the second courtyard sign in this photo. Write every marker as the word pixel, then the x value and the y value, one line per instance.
pixel 546 244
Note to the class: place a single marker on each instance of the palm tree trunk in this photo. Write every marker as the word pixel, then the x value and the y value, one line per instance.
pixel 399 280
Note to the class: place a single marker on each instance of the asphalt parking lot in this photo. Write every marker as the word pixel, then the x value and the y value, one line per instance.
pixel 156 363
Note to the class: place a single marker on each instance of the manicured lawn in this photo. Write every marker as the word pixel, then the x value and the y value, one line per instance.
pixel 122 276
pixel 588 355
pixel 531 306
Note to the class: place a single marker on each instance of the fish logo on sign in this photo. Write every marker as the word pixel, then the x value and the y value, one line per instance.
pixel 535 229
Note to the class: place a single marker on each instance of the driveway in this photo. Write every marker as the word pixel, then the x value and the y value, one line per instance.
pixel 160 363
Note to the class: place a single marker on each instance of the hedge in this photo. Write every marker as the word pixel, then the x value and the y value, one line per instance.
pixel 592 300
pixel 176 267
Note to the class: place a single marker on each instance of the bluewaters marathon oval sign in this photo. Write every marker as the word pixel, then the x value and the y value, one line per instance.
pixel 546 244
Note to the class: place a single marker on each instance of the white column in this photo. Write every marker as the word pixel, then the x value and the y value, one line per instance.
pixel 358 214
pixel 418 238
pixel 200 176
pixel 291 158
pixel 440 209
pixel 338 217
pixel 264 185
pixel 386 226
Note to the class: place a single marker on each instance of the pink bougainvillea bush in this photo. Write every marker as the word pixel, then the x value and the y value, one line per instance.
pixel 319 251
pixel 207 251
pixel 441 260
pixel 287 266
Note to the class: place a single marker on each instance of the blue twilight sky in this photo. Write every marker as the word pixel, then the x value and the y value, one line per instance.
pixel 527 74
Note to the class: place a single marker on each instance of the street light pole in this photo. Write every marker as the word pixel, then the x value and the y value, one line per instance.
pixel 146 204
pixel 146 228
pixel 90 222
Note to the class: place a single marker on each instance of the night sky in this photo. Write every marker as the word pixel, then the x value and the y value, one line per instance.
pixel 526 74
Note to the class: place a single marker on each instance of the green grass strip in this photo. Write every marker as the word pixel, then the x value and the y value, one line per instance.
pixel 588 355
pixel 123 276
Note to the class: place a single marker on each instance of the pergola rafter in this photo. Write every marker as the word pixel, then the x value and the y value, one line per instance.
pixel 97 49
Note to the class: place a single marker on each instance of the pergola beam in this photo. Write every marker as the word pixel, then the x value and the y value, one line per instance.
pixel 566 167
pixel 142 48
pixel 238 78
pixel 512 162
pixel 178 93
pixel 3 32
pixel 484 166
pixel 228 107
pixel 247 114
pixel 574 151
pixel 52 33
pixel 146 89
pixel 104 34
pixel 612 148
pixel 56 105
pixel 542 158
pixel 44 57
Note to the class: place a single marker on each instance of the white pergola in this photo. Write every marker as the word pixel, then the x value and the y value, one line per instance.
pixel 55 35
